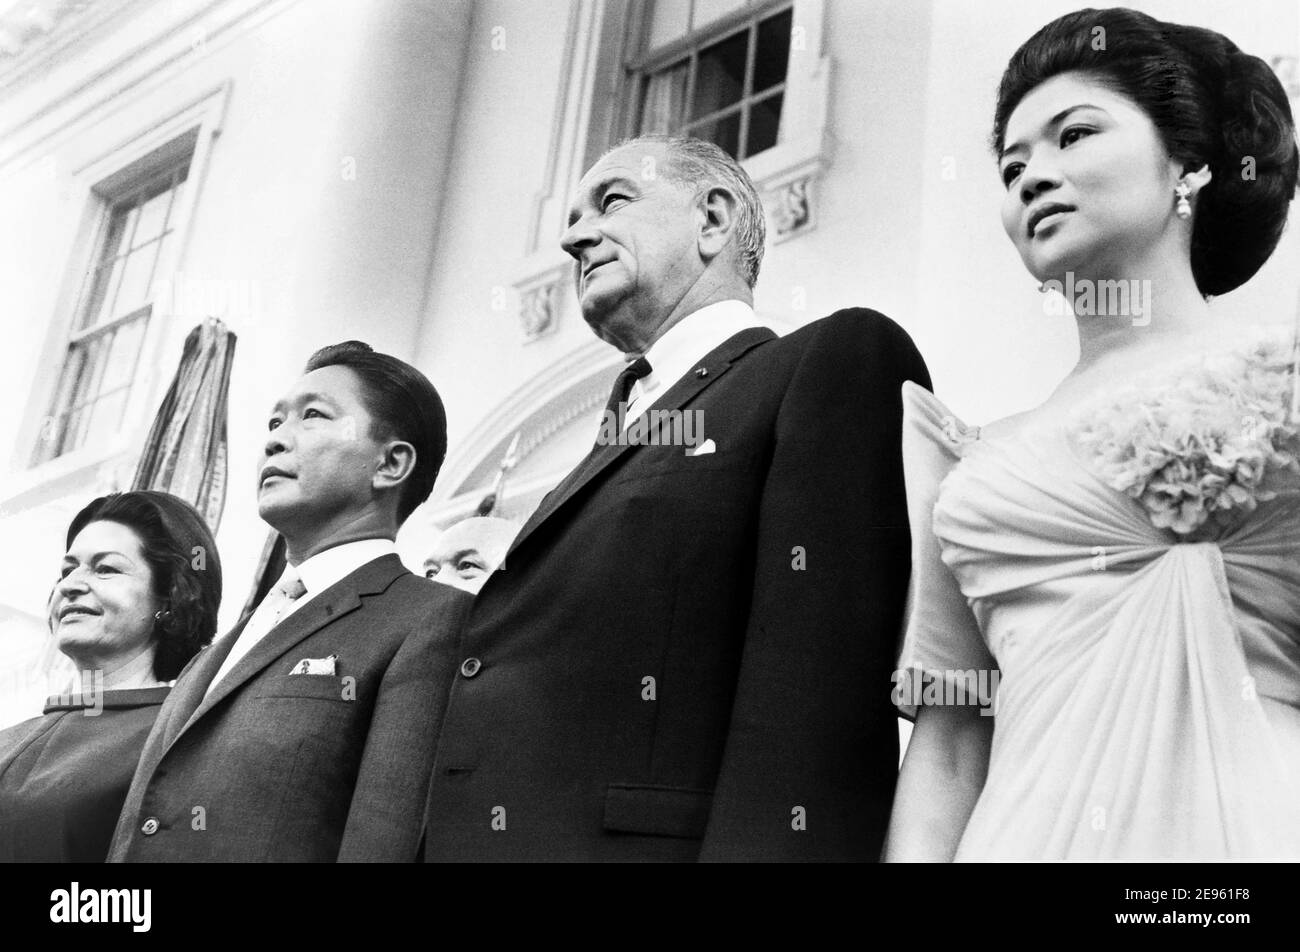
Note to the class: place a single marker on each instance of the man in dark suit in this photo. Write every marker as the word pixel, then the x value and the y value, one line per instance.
pixel 688 653
pixel 304 734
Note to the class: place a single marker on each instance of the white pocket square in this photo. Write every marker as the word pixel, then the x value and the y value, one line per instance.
pixel 704 449
pixel 315 666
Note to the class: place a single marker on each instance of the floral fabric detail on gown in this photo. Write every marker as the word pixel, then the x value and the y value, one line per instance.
pixel 1205 449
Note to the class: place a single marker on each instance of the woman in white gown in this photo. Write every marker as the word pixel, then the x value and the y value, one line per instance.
pixel 1123 562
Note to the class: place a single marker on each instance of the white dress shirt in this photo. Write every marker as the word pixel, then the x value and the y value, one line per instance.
pixel 683 346
pixel 317 574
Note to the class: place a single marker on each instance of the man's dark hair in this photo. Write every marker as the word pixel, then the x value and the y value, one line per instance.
pixel 403 405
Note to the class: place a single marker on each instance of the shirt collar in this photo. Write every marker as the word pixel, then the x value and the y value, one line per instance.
pixel 334 564
pixel 695 336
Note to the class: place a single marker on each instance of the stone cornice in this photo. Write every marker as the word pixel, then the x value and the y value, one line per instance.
pixel 35 32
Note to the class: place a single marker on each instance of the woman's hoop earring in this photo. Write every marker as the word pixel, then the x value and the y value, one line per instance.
pixel 1184 207
pixel 161 615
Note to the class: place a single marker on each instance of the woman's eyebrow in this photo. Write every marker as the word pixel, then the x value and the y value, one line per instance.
pixel 98 555
pixel 1019 146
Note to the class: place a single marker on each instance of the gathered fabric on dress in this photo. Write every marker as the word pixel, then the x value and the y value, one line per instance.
pixel 1146 638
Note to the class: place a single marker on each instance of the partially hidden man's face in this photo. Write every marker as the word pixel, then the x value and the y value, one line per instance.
pixel 633 235
pixel 320 456
pixel 469 551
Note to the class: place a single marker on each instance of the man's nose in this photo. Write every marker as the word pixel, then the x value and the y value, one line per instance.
pixel 277 441
pixel 578 236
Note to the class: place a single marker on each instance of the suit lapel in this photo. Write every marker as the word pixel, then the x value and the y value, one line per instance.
pixel 702 376
pixel 188 693
pixel 330 605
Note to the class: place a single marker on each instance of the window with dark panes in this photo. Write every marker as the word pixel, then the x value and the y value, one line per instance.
pixel 136 249
pixel 715 70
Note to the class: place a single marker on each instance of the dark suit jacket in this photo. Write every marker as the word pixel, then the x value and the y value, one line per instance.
pixel 297 767
pixel 689 657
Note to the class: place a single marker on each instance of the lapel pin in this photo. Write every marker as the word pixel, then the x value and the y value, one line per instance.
pixel 701 372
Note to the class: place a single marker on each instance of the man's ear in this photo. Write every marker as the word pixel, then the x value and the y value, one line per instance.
pixel 396 464
pixel 719 220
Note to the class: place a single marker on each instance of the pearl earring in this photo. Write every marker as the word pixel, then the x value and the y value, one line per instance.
pixel 1184 207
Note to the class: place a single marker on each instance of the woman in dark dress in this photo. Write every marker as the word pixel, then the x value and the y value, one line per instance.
pixel 137 598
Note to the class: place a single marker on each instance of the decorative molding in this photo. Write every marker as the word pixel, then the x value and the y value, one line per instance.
pixel 786 175
pixel 523 495
pixel 589 366
pixel 537 310
pixel 540 410
pixel 23 23
pixel 792 212
pixel 583 397
pixel 33 28
pixel 582 401
pixel 541 299
pixel 138 72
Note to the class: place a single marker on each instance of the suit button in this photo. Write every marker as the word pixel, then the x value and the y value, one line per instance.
pixel 150 827
pixel 470 667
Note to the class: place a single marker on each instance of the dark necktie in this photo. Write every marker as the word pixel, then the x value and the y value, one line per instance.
pixel 617 399
pixel 623 386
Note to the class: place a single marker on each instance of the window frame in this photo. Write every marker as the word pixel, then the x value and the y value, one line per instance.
pixel 643 64
pixel 67 404
pixel 93 171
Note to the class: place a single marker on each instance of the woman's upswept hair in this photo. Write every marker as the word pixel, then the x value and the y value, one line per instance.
pixel 1212 105
pixel 182 555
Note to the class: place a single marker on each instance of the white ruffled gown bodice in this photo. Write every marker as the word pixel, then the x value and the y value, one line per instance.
pixel 1145 625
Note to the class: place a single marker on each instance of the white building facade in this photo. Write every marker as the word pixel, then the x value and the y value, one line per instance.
pixel 398 171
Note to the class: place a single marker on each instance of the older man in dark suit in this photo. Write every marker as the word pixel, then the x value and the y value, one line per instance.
pixel 304 734
pixel 689 655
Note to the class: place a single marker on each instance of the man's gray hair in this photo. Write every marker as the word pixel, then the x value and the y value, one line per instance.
pixel 701 165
